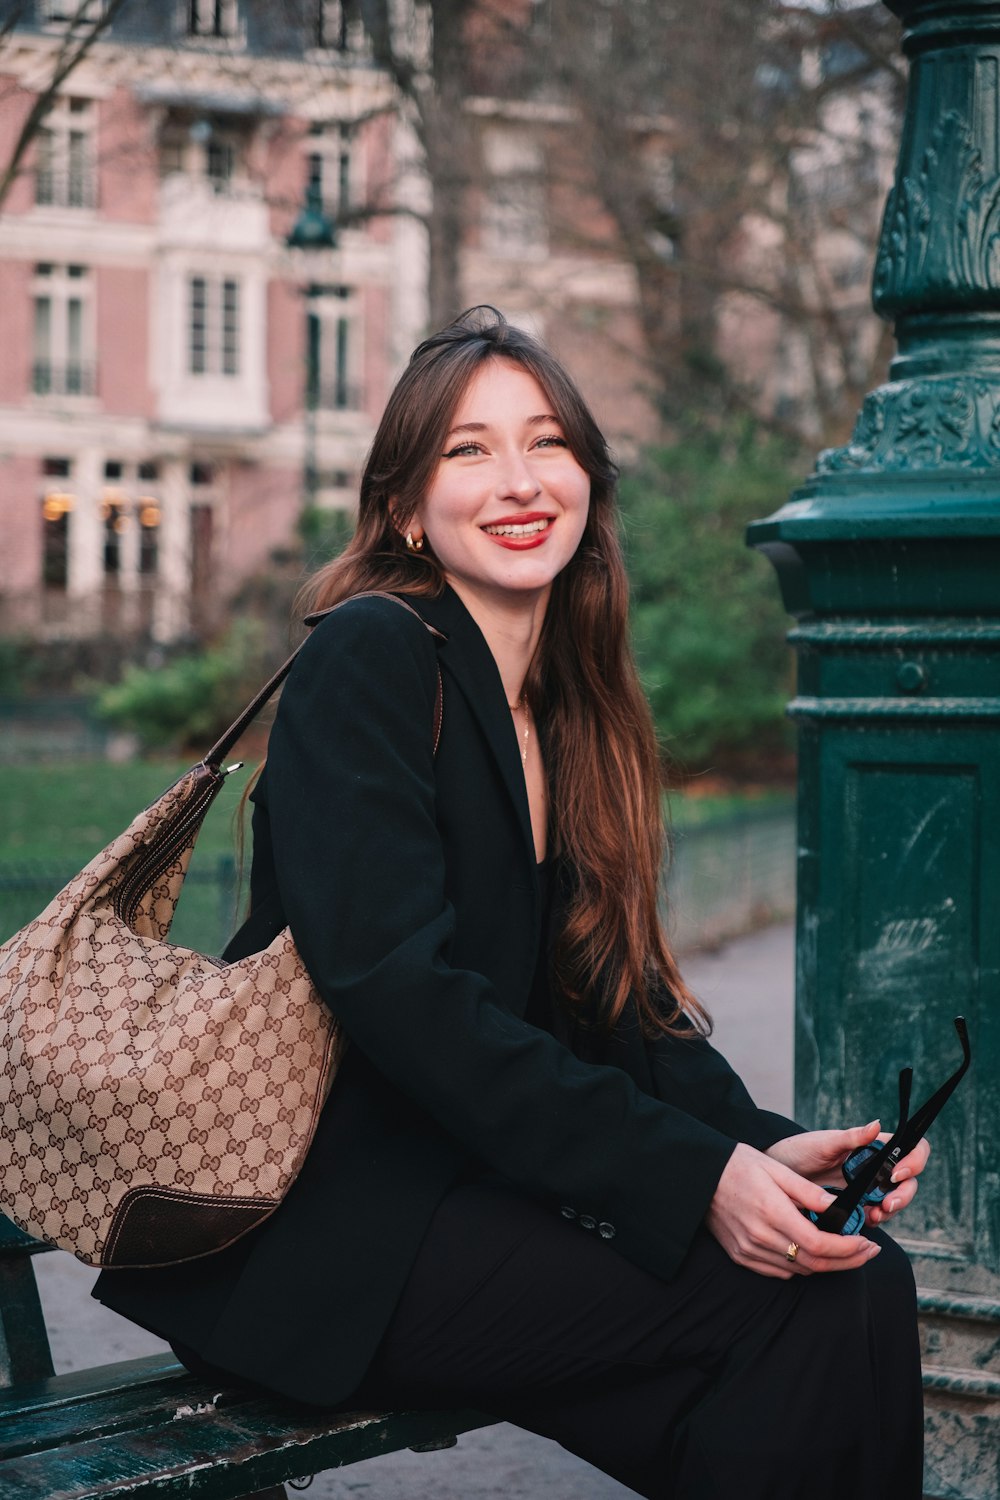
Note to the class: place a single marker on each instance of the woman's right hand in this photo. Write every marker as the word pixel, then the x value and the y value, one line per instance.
pixel 754 1215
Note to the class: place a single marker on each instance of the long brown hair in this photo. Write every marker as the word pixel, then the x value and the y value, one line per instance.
pixel 602 763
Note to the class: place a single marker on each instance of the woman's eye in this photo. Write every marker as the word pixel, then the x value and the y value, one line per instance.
pixel 552 440
pixel 462 449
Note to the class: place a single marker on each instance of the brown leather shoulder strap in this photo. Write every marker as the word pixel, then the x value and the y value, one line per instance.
pixel 225 742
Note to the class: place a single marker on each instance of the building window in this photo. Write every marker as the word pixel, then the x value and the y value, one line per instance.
pixel 331 24
pixel 115 522
pixel 213 326
pixel 149 535
pixel 514 205
pixel 57 506
pixel 212 18
pixel 329 168
pixel 339 389
pixel 130 499
pixel 63 331
pixel 66 12
pixel 64 156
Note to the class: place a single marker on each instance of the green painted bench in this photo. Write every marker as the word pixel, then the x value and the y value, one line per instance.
pixel 146 1426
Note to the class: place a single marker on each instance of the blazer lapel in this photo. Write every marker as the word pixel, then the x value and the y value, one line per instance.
pixel 470 663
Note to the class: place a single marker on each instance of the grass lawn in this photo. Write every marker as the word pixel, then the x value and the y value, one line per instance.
pixel 55 818
pixel 59 814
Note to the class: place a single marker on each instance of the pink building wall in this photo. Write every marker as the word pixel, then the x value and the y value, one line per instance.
pixel 123 340
pixel 13 113
pixel 284 175
pixel 377 376
pixel 262 508
pixel 21 554
pixel 376 143
pixel 285 349
pixel 126 160
pixel 15 331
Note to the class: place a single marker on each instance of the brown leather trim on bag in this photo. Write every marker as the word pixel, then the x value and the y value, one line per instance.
pixel 156 1226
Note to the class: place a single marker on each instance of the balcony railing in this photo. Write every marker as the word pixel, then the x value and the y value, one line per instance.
pixel 65 189
pixel 70 377
pixel 339 395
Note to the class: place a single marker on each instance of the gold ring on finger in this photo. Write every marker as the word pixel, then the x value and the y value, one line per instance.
pixel 792 1251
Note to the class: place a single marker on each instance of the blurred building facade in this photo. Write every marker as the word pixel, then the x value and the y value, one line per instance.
pixel 153 440
pixel 154 328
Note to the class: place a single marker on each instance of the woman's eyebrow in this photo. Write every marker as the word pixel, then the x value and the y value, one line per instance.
pixel 538 421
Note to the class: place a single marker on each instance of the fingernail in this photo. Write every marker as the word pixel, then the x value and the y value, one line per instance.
pixel 873 1124
pixel 873 1251
pixel 900 1175
pixel 890 1205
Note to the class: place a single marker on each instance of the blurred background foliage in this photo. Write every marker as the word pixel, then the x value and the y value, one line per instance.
pixel 708 624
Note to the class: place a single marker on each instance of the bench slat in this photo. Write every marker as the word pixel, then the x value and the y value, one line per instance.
pixel 41 1427
pixel 84 1385
pixel 223 1453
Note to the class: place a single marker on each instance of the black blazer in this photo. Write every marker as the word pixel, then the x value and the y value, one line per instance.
pixel 408 880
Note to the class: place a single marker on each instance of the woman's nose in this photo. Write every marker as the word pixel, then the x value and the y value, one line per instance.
pixel 516 478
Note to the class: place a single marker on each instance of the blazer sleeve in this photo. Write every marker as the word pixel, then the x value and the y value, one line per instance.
pixel 690 1072
pixel 360 870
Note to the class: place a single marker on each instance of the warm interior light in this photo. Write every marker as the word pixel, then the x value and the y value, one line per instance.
pixel 149 511
pixel 56 504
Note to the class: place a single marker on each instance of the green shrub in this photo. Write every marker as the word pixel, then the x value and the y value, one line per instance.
pixel 191 700
pixel 14 667
pixel 707 617
pixel 324 531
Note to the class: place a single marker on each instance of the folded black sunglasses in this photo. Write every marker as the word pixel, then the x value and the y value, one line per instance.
pixel 869 1169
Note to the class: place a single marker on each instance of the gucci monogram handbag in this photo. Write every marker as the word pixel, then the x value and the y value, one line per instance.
pixel 155 1103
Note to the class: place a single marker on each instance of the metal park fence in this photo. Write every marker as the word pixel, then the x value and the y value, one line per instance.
pixel 50 729
pixel 206 913
pixel 726 878
pixel 731 877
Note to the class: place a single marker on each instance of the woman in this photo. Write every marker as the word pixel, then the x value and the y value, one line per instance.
pixel 535 1188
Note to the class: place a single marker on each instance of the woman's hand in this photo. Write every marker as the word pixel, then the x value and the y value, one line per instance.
pixel 754 1215
pixel 819 1155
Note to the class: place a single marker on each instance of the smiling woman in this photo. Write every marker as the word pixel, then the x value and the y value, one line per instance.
pixel 536 1188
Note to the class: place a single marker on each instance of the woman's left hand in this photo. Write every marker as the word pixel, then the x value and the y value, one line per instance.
pixel 819 1155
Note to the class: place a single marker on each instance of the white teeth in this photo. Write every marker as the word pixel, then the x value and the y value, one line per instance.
pixel 527 528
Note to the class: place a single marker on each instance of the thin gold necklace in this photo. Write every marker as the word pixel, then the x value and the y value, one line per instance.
pixel 520 704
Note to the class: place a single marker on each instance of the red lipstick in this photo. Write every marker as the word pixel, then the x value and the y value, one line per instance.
pixel 521 541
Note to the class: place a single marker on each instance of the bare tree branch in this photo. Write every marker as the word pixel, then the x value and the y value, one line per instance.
pixel 75 42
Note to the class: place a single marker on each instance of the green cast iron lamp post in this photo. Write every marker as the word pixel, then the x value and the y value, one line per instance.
pixel 889 557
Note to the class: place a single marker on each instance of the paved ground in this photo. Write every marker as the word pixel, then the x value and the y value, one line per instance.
pixel 748 987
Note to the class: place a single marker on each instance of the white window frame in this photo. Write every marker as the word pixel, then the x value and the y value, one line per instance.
pixel 334 150
pixel 211 23
pixel 332 32
pixel 514 213
pixel 62 293
pixel 341 351
pixel 65 13
pixel 67 132
pixel 218 353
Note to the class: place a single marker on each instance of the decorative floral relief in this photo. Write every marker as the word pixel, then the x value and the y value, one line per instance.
pixel 939 422
pixel 952 250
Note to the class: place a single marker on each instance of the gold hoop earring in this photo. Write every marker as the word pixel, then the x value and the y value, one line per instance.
pixel 414 544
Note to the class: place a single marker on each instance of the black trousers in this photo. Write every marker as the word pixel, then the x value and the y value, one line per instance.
pixel 720 1383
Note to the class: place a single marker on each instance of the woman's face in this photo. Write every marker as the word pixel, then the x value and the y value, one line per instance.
pixel 507 505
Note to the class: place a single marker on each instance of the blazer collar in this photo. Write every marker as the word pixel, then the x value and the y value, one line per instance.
pixel 470 662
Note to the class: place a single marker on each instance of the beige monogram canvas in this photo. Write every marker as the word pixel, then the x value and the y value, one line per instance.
pixel 155 1103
